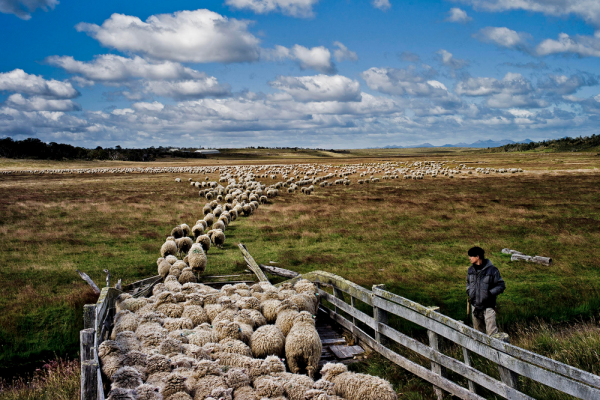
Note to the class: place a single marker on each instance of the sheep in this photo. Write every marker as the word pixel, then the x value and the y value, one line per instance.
pixel 172 310
pixel 169 347
pixel 254 367
pixel 168 248
pixel 236 378
pixel 303 345
pixel 150 335
pixel 206 209
pixel 227 330
pixel 209 218
pixel 245 393
pixel 184 244
pixel 218 238
pixel 259 319
pixel 248 303
pixel 147 392
pixel 204 241
pixel 172 284
pixel 267 386
pixel 175 271
pixel 124 321
pixel 305 302
pixel 186 229
pixel 196 352
pixel 268 306
pixel 132 304
pixel 354 386
pixel 296 386
pixel 203 223
pixel 229 345
pixel 137 360
pixel 111 356
pixel 197 258
pixel 202 335
pixel 177 232
pixel 187 276
pixel 197 230
pixel 246 323
pixel 128 341
pixel 163 268
pixel 172 384
pixel 121 394
pixel 173 324
pixel 126 378
pixel 266 341
pixel 195 313
pixel 221 393
pixel 286 312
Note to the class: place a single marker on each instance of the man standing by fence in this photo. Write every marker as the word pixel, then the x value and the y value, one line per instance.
pixel 484 283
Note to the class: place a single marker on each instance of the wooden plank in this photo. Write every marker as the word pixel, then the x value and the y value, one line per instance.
pixel 341 352
pixel 380 317
pixel 532 371
pixel 286 273
pixel 517 352
pixel 329 342
pixel 106 301
pixel 146 290
pixel 342 305
pixel 434 343
pixel 252 264
pixel 416 369
pixel 506 375
pixel 467 361
pixel 89 316
pixel 356 350
pixel 86 344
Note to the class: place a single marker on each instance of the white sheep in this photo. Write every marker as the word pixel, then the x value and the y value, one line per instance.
pixel 303 345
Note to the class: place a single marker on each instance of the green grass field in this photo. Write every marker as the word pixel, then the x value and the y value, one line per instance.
pixel 410 235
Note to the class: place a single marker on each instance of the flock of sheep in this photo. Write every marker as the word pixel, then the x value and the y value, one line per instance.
pixel 191 341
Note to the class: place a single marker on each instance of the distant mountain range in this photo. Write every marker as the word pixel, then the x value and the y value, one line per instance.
pixel 478 144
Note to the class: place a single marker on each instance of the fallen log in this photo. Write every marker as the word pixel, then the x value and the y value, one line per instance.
pixel 509 251
pixel 520 257
pixel 286 273
pixel 542 260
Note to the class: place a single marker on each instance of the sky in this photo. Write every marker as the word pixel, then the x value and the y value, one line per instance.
pixel 306 73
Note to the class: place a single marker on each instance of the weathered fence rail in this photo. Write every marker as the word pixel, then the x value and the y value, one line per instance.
pixel 511 360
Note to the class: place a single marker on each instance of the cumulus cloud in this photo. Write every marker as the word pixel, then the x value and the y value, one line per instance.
pixel 18 81
pixel 342 53
pixel 583 46
pixel 24 8
pixel 503 37
pixel 317 58
pixel 154 106
pixel 513 91
pixel 200 36
pixel 37 103
pixel 382 5
pixel 319 88
pixel 188 89
pixel 589 10
pixel 562 85
pixel 294 8
pixel 449 61
pixel 114 68
pixel 409 57
pixel 400 82
pixel 457 15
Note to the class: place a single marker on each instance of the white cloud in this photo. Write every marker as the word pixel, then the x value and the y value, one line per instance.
pixel 583 46
pixel 24 8
pixel 154 106
pixel 457 15
pixel 513 91
pixel 383 5
pixel 36 103
pixel 449 61
pixel 342 53
pixel 200 36
pixel 186 89
pixel 562 85
pixel 19 81
pixel 318 58
pixel 503 37
pixel 589 10
pixel 319 88
pixel 294 8
pixel 402 82
pixel 114 68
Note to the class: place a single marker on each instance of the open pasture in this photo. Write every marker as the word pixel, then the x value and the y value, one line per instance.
pixel 411 235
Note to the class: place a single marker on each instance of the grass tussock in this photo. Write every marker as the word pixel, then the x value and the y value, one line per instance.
pixel 56 380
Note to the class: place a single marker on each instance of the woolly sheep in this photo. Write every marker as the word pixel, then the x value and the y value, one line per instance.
pixel 111 357
pixel 172 310
pixel 286 312
pixel 354 386
pixel 227 330
pixel 137 360
pixel 246 323
pixel 254 367
pixel 205 385
pixel 267 386
pixel 187 276
pixel 121 394
pixel 184 244
pixel 172 284
pixel 234 346
pixel 172 384
pixel 267 340
pixel 163 268
pixel 147 392
pixel 171 259
pixel 168 248
pixel 203 223
pixel 195 313
pixel 236 378
pixel 303 345
pixel 201 337
pixel 219 225
pixel 259 319
pixel 268 306
pixel 173 324
pixel 124 321
pixel 197 230
pixel 186 229
pixel 177 232
pixel 218 238
pixel 209 218
pixel 206 209
pixel 126 378
pixel 128 341
pixel 170 346
pixel 204 241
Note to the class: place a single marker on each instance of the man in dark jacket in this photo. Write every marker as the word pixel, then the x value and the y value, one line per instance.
pixel 484 283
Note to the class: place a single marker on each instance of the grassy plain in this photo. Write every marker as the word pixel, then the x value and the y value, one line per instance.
pixel 410 235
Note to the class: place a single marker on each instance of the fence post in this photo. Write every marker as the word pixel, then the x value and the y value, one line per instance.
pixel 340 295
pixel 89 316
pixel 353 306
pixel 381 317
pixel 467 361
pixel 434 343
pixel 89 367
pixel 507 376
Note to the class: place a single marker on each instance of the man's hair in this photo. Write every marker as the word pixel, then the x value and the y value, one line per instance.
pixel 477 251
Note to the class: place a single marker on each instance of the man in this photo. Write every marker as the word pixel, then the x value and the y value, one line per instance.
pixel 484 283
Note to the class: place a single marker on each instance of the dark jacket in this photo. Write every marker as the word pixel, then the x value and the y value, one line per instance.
pixel 484 285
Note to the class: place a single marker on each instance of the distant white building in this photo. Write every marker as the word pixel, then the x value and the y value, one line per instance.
pixel 212 151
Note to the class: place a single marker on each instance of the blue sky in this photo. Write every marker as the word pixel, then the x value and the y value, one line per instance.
pixel 341 74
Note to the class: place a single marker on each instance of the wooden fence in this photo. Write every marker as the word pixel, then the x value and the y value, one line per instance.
pixel 511 360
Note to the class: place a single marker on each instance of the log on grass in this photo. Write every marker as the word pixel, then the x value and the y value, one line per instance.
pixel 286 273
pixel 520 257
pixel 89 280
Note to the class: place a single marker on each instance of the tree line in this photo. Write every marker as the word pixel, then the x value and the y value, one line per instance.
pixel 581 143
pixel 35 148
